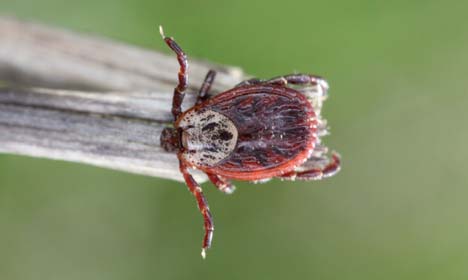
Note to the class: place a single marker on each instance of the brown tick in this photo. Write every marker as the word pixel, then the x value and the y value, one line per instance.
pixel 258 130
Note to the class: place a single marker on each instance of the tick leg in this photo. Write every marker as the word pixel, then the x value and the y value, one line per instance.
pixel 294 79
pixel 179 90
pixel 253 81
pixel 196 190
pixel 221 183
pixel 316 173
pixel 299 79
pixel 205 88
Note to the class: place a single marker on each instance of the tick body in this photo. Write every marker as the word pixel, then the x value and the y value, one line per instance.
pixel 258 130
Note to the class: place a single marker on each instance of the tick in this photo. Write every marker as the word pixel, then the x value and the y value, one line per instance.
pixel 258 130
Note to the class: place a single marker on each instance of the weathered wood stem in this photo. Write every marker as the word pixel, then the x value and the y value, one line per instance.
pixel 90 100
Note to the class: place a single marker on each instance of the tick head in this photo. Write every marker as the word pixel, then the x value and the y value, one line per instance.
pixel 170 139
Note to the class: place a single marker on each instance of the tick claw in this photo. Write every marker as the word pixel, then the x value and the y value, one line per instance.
pixel 203 253
pixel 161 31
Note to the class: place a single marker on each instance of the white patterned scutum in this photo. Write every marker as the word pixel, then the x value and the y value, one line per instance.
pixel 208 137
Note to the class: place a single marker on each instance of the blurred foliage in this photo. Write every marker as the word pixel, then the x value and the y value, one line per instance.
pixel 397 113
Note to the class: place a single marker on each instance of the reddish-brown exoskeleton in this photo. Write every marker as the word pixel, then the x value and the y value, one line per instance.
pixel 258 130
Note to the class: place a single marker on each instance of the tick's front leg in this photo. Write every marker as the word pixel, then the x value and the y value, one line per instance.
pixel 179 90
pixel 196 190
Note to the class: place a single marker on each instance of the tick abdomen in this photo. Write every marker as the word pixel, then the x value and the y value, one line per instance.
pixel 274 128
pixel 249 131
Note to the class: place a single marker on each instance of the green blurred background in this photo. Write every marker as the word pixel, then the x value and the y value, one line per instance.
pixel 398 115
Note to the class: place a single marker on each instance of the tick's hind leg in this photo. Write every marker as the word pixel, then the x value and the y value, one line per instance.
pixel 253 81
pixel 196 190
pixel 315 88
pixel 205 87
pixel 221 183
pixel 311 86
pixel 293 79
pixel 300 80
pixel 315 173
